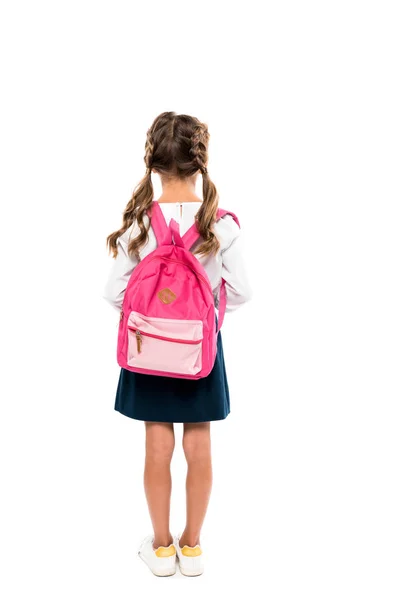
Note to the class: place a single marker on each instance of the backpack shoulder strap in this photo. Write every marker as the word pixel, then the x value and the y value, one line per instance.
pixel 222 292
pixel 159 224
pixel 190 237
pixel 192 234
pixel 222 212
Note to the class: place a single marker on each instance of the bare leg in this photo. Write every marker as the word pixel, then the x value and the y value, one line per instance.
pixel 160 442
pixel 197 448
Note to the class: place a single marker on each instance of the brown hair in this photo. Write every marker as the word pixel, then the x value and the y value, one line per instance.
pixel 176 146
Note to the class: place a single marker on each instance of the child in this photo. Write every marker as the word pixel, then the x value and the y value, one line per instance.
pixel 177 150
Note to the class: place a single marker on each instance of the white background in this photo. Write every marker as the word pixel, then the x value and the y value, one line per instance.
pixel 302 104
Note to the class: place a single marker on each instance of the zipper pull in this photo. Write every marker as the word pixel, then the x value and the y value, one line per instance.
pixel 138 340
pixel 121 315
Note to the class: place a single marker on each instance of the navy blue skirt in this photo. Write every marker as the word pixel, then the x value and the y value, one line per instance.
pixel 173 400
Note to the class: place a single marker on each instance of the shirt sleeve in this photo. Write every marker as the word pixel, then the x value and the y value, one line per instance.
pixel 234 271
pixel 119 275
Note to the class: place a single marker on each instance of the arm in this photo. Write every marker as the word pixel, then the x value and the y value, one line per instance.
pixel 119 274
pixel 238 288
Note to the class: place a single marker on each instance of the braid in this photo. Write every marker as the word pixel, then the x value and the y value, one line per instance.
pixel 198 150
pixel 149 149
pixel 206 214
pixel 136 207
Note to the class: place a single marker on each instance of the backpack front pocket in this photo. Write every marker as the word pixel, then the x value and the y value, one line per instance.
pixel 162 344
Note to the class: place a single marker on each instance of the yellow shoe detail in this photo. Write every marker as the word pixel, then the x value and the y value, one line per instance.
pixel 188 551
pixel 164 552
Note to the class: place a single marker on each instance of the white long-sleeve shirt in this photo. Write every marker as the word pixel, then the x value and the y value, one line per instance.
pixel 228 263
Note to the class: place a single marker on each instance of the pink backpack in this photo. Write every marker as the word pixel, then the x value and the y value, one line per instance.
pixel 167 325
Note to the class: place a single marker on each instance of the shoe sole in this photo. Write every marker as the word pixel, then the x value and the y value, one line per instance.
pixel 168 573
pixel 190 573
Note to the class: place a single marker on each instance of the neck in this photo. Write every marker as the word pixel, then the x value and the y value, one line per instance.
pixel 177 190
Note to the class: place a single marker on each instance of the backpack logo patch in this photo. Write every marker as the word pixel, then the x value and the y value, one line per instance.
pixel 166 295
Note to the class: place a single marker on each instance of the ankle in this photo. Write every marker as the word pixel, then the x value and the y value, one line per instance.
pixel 187 539
pixel 162 540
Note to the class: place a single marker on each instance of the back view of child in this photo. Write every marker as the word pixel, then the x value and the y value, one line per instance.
pixel 177 150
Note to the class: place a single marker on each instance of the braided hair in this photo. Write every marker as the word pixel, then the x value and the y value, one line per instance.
pixel 176 146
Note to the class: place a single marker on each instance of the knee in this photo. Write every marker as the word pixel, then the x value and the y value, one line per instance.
pixel 196 446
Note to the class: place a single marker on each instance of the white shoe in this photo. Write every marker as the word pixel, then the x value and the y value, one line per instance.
pixel 190 559
pixel 162 561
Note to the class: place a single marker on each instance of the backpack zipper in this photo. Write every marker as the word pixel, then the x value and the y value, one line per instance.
pixel 139 339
